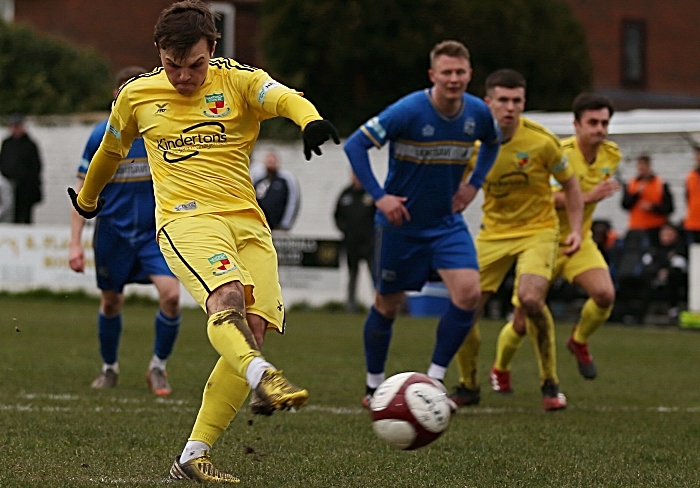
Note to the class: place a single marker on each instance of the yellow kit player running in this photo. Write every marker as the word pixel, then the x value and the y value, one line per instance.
pixel 199 118
pixel 594 160
pixel 519 224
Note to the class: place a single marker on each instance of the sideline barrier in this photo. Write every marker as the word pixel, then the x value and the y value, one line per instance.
pixel 36 257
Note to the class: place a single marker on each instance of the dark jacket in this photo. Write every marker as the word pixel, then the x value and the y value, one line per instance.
pixel 20 163
pixel 354 216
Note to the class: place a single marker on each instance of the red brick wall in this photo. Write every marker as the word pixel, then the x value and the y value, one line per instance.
pixel 123 29
pixel 672 37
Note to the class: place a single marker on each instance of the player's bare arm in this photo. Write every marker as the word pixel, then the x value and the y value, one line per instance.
pixel 574 211
pixel 601 191
pixel 76 253
pixel 463 197
pixel 393 207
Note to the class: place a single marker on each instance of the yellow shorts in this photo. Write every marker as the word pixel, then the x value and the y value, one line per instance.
pixel 210 250
pixel 535 254
pixel 586 258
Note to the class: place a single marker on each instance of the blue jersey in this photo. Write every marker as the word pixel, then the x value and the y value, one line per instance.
pixel 428 154
pixel 129 206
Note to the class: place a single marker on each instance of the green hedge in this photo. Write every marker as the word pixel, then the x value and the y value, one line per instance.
pixel 45 75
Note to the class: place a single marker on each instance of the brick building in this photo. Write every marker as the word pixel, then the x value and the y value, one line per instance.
pixel 123 30
pixel 643 51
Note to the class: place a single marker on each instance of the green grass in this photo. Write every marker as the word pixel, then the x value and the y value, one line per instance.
pixel 638 424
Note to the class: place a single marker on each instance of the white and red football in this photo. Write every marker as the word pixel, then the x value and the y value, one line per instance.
pixel 410 410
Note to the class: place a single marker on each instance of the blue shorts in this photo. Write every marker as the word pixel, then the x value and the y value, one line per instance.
pixel 119 261
pixel 403 261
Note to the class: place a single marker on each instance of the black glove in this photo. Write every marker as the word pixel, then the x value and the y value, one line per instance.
pixel 315 134
pixel 88 215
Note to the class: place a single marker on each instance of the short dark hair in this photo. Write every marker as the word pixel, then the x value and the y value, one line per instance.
pixel 451 48
pixel 590 101
pixel 125 74
pixel 644 158
pixel 506 78
pixel 183 24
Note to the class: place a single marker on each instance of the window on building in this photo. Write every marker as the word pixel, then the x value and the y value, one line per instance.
pixel 225 46
pixel 634 53
pixel 7 10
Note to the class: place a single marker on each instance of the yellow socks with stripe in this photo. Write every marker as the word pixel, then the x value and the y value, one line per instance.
pixel 467 357
pixel 508 343
pixel 592 317
pixel 230 335
pixel 223 397
pixel 541 333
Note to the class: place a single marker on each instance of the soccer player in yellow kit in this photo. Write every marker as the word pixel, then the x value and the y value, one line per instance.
pixel 594 160
pixel 519 224
pixel 199 118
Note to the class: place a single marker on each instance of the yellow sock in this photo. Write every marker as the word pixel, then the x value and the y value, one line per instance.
pixel 592 317
pixel 508 343
pixel 467 357
pixel 223 396
pixel 230 335
pixel 542 337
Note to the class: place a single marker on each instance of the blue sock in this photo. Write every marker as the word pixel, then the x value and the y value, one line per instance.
pixel 166 333
pixel 109 330
pixel 451 332
pixel 377 336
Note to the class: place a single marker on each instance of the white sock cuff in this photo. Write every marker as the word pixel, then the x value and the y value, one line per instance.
pixel 255 370
pixel 193 449
pixel 374 380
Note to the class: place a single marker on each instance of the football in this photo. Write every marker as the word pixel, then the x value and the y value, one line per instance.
pixel 410 410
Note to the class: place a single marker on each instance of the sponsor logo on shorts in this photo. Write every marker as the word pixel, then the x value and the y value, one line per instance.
pixel 222 263
pixel 216 105
pixel 184 207
pixel 388 275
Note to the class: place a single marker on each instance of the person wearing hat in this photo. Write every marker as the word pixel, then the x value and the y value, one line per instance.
pixel 21 164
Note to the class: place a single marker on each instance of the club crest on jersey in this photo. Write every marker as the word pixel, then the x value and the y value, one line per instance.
pixel 469 126
pixel 522 161
pixel 222 264
pixel 428 131
pixel 606 173
pixel 216 105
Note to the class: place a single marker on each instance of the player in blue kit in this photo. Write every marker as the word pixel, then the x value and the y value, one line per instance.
pixel 431 135
pixel 126 251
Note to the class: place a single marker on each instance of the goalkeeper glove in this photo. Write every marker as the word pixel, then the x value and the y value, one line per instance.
pixel 315 134
pixel 84 213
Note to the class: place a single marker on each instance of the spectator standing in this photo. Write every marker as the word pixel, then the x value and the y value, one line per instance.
pixel 648 199
pixel 354 217
pixel 7 201
pixel 21 164
pixel 277 192
pixel 691 223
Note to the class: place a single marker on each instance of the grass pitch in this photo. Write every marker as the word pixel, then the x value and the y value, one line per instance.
pixel 637 424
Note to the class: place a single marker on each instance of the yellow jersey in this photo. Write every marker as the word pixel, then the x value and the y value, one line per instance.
pixel 518 198
pixel 198 146
pixel 589 175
